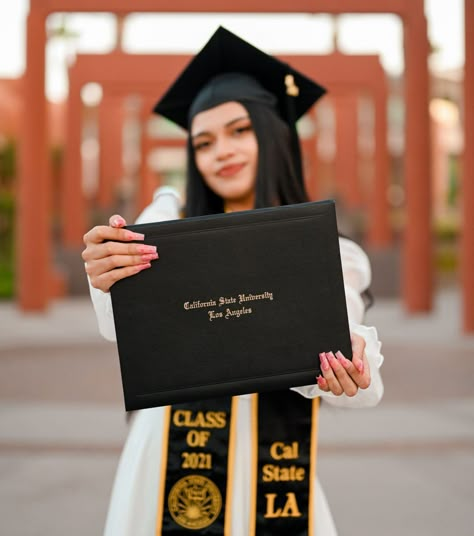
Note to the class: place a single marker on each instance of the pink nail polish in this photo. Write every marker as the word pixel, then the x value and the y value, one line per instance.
pixel 141 267
pixel 149 257
pixel 360 366
pixel 130 235
pixel 324 362
pixel 344 362
pixel 146 249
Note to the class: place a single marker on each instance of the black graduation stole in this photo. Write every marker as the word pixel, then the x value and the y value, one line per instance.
pixel 197 466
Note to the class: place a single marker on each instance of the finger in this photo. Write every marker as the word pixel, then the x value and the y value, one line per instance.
pixel 358 349
pixel 101 233
pixel 117 221
pixel 322 383
pixel 349 366
pixel 109 249
pixel 346 382
pixel 361 379
pixel 107 279
pixel 329 376
pixel 111 262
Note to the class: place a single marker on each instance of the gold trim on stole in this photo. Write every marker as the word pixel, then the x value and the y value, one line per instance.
pixel 312 465
pixel 164 464
pixel 253 464
pixel 231 467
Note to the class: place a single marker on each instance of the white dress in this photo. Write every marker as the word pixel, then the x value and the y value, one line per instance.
pixel 132 510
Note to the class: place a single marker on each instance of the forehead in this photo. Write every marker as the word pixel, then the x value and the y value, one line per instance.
pixel 217 117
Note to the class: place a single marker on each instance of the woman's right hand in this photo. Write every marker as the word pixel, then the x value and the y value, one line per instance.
pixel 110 254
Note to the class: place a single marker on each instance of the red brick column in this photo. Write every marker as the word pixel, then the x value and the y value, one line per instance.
pixel 417 266
pixel 110 140
pixel 34 189
pixel 467 244
pixel 379 232
pixel 73 202
pixel 148 182
pixel 347 158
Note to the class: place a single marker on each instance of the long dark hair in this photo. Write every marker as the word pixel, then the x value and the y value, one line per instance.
pixel 277 182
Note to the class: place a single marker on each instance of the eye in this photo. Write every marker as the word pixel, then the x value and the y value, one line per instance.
pixel 242 129
pixel 201 145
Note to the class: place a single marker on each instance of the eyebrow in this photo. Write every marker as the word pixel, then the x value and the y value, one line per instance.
pixel 229 124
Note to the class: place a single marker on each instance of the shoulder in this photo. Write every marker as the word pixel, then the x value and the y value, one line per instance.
pixel 166 205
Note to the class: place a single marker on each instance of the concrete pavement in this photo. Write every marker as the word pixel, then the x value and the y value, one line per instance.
pixel 405 467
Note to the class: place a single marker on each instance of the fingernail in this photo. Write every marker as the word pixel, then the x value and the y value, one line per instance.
pixel 147 249
pixel 320 380
pixel 344 362
pixel 324 362
pixel 331 356
pixel 141 267
pixel 149 257
pixel 130 235
pixel 360 366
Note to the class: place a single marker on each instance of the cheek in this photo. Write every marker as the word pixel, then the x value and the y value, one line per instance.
pixel 202 163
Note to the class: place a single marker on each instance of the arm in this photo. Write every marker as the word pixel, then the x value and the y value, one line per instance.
pixel 367 358
pixel 103 261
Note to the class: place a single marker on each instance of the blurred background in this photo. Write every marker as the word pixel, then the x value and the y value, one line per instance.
pixel 392 142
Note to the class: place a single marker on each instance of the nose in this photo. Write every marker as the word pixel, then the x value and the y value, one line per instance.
pixel 223 147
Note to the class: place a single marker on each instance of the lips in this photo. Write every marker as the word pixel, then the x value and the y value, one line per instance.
pixel 230 170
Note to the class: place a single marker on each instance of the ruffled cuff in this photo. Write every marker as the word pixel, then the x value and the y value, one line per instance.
pixel 365 397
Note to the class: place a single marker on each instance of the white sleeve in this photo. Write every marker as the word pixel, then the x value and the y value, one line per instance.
pixel 165 206
pixel 357 276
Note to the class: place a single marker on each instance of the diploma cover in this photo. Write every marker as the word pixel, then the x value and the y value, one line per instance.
pixel 236 303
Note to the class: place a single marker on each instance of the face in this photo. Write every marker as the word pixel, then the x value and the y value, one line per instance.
pixel 226 153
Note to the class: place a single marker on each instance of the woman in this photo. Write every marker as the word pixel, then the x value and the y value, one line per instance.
pixel 242 154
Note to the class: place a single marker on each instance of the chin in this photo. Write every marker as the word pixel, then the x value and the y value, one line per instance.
pixel 235 192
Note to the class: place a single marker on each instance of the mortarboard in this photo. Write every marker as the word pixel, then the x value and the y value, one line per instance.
pixel 229 68
pixel 225 52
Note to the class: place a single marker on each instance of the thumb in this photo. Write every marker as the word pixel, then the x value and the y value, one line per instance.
pixel 358 348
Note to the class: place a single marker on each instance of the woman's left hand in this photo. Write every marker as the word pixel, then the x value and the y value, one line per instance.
pixel 342 376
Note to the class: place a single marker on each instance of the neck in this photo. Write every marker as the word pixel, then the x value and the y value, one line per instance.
pixel 238 205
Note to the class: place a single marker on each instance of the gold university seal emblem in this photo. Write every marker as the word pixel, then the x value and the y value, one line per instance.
pixel 194 502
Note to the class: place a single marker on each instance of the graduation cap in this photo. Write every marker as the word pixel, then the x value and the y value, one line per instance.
pixel 229 69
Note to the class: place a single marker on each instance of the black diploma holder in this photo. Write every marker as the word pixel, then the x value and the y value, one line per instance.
pixel 236 303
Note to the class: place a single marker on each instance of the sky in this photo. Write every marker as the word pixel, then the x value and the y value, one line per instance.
pixel 186 33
